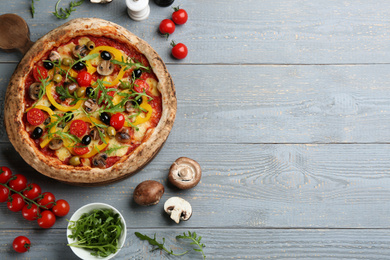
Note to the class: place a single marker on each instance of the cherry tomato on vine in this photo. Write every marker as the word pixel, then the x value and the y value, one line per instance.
pixel 179 51
pixel 5 174
pixel 84 79
pixel 179 16
pixel 19 183
pixel 4 193
pixel 166 27
pixel 15 203
pixel 30 211
pixel 47 200
pixel 61 208
pixel 32 191
pixel 80 149
pixel 47 219
pixel 21 244
pixel 78 128
pixel 117 121
pixel 39 72
pixel 35 116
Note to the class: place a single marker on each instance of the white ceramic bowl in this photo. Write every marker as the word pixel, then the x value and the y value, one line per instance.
pixel 85 254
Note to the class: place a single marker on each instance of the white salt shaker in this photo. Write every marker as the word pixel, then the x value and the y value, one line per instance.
pixel 138 10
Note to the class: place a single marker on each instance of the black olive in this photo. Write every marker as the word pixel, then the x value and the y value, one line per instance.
pixel 37 133
pixel 48 65
pixel 137 73
pixel 52 107
pixel 90 91
pixel 86 140
pixel 79 66
pixel 68 116
pixel 135 102
pixel 105 117
pixel 105 55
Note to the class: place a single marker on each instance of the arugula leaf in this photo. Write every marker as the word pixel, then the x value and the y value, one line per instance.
pixel 153 242
pixel 64 13
pixel 98 126
pixel 33 8
pixel 104 96
pixel 195 241
pixel 64 94
pixel 65 135
pixel 129 64
pixel 114 149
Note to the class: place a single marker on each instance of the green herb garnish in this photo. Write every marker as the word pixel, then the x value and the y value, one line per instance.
pixel 98 231
pixel 98 126
pixel 114 149
pixel 64 13
pixel 128 64
pixel 64 135
pixel 153 242
pixel 195 241
pixel 104 96
pixel 64 94
pixel 33 8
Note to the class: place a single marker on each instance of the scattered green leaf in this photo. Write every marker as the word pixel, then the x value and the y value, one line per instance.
pixel 153 242
pixel 195 241
pixel 64 13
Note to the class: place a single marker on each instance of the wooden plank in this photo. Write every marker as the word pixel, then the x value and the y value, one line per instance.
pixel 260 32
pixel 274 104
pixel 221 244
pixel 283 186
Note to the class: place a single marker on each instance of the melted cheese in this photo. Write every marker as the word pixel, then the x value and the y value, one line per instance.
pixel 120 152
pixel 153 86
pixel 63 153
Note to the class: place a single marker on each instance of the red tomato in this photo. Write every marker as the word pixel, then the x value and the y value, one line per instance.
pixel 117 121
pixel 15 203
pixel 21 244
pixel 47 219
pixel 30 211
pixel 35 116
pixel 179 51
pixel 18 182
pixel 179 16
pixel 39 72
pixel 33 191
pixel 4 193
pixel 80 149
pixel 166 27
pixel 140 85
pixel 5 174
pixel 47 200
pixel 78 128
pixel 61 208
pixel 84 79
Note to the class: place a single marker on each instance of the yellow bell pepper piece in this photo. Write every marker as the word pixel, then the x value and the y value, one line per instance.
pixel 139 120
pixel 58 106
pixel 44 108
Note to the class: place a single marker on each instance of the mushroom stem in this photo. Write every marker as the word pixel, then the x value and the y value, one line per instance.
pixel 175 215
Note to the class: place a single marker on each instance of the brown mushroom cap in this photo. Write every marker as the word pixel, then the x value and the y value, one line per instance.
pixel 185 173
pixel 148 193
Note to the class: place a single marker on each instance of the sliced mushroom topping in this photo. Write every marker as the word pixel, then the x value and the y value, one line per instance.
pixel 129 107
pixel 90 105
pixel 54 56
pixel 80 51
pixel 185 173
pixel 55 143
pixel 178 209
pixel 105 68
pixel 100 160
pixel 123 136
pixel 72 86
pixel 33 91
pixel 95 133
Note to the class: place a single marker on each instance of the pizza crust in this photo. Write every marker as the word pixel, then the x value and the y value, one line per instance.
pixel 128 165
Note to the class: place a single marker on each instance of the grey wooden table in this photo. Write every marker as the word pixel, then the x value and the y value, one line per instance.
pixel 286 106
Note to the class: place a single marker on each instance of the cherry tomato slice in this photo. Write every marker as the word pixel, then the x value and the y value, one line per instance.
pixel 30 212
pixel 179 51
pixel 4 193
pixel 18 183
pixel 5 174
pixel 117 121
pixel 21 244
pixel 166 27
pixel 47 200
pixel 80 149
pixel 140 85
pixel 84 79
pixel 35 116
pixel 15 203
pixel 180 16
pixel 61 208
pixel 47 219
pixel 78 128
pixel 39 72
pixel 33 191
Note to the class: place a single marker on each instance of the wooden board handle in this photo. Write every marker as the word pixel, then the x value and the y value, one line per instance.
pixel 14 34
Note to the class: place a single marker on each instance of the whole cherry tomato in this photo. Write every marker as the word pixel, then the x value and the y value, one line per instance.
pixel 21 244
pixel 84 79
pixel 179 16
pixel 166 27
pixel 30 212
pixel 47 219
pixel 35 116
pixel 32 191
pixel 80 149
pixel 4 193
pixel 19 183
pixel 5 174
pixel 179 51
pixel 39 72
pixel 61 208
pixel 78 128
pixel 117 121
pixel 15 203
pixel 47 200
